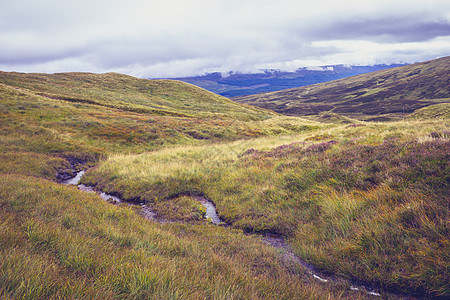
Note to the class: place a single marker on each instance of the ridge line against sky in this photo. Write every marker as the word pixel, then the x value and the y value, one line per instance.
pixel 175 38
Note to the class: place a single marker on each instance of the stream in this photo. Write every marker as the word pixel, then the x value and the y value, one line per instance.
pixel 276 241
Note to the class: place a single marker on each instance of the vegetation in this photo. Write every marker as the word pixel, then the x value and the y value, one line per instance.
pixel 364 201
pixel 58 242
pixel 379 96
pixel 369 202
pixel 437 111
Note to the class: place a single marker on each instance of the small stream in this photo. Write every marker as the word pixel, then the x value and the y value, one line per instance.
pixel 211 212
pixel 146 212
pixel 76 180
pixel 274 240
pixel 278 242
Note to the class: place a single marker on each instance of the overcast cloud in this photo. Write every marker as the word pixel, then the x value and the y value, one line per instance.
pixel 174 38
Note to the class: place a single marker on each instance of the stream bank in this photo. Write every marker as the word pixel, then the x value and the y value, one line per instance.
pixel 276 241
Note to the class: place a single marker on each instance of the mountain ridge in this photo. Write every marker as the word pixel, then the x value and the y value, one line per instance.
pixel 397 91
pixel 233 84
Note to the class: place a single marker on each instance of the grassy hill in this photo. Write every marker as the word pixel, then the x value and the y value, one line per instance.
pixel 112 111
pixel 392 92
pixel 159 97
pixel 367 202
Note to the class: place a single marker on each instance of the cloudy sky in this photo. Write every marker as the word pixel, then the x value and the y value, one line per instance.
pixel 173 38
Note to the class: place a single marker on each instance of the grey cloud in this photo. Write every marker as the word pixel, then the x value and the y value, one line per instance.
pixel 175 37
pixel 395 30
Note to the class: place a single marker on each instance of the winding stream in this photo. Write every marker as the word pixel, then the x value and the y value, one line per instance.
pixel 146 212
pixel 274 240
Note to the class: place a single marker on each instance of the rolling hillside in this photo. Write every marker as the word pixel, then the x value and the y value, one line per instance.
pixel 84 116
pixel 113 90
pixel 391 92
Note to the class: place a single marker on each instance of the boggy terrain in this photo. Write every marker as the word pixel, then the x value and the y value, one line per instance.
pixel 362 201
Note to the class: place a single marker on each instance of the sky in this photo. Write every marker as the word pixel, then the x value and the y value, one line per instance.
pixel 177 38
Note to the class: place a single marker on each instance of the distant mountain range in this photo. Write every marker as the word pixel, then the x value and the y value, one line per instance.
pixel 393 92
pixel 236 84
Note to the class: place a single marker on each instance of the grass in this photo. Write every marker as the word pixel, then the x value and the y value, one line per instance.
pixel 366 201
pixel 113 90
pixel 62 243
pixel 351 199
pixel 433 111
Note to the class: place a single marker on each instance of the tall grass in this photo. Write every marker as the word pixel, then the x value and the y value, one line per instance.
pixel 57 242
pixel 367 202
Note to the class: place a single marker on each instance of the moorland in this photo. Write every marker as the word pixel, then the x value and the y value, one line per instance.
pixel 362 201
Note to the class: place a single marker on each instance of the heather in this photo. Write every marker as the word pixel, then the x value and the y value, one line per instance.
pixel 365 208
pixel 372 209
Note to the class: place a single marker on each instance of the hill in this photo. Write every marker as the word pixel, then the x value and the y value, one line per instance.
pixel 158 97
pixel 83 116
pixel 241 84
pixel 392 92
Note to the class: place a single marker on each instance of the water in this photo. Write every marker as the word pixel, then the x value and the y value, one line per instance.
pixel 275 241
pixel 75 180
pixel 211 212
pixel 278 242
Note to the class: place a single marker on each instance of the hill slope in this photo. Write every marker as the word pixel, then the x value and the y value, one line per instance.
pixel 159 97
pixel 399 90
pixel 82 116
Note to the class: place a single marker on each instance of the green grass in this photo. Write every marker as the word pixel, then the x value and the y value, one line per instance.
pixel 366 201
pixel 113 90
pixel 438 111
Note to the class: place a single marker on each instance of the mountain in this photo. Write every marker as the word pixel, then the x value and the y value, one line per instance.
pixel 236 84
pixel 395 91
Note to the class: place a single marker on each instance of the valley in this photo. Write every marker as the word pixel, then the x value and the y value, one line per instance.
pixel 389 94
pixel 236 84
pixel 363 200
